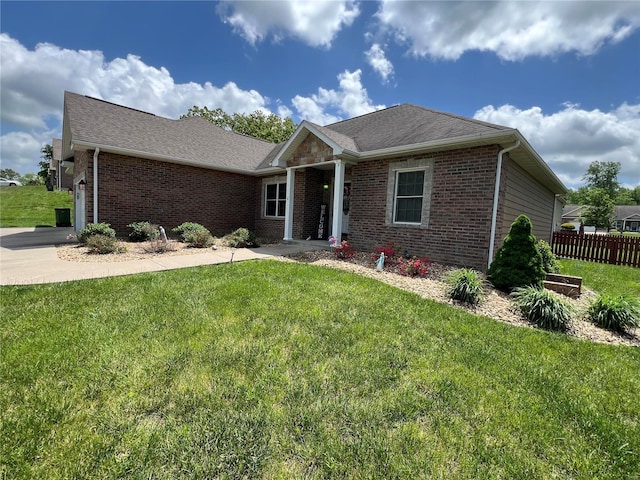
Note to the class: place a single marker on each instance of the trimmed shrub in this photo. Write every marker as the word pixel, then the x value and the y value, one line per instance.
pixel 344 251
pixel 92 229
pixel 518 262
pixel 143 231
pixel 614 313
pixel 103 244
pixel 543 308
pixel 549 262
pixel 413 267
pixel 189 227
pixel 240 238
pixel 198 239
pixel 568 226
pixel 465 285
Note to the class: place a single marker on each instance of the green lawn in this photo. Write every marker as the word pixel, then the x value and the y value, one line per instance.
pixel 604 278
pixel 283 370
pixel 31 206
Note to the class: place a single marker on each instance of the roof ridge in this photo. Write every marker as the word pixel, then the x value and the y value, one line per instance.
pixel 118 105
pixel 460 117
pixel 365 114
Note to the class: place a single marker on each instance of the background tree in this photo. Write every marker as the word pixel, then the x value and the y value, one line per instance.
pixel 603 175
pixel 625 196
pixel 599 209
pixel 9 174
pixel 270 127
pixel 47 157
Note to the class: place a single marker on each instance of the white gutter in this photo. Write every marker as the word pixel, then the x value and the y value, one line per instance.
pixel 496 195
pixel 95 185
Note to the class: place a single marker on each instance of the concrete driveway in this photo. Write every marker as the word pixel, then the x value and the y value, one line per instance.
pixel 28 256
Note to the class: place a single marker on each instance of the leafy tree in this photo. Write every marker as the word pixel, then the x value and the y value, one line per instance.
pixel 9 174
pixel 599 209
pixel 47 157
pixel 635 193
pixel 518 262
pixel 270 127
pixel 577 197
pixel 625 197
pixel 603 175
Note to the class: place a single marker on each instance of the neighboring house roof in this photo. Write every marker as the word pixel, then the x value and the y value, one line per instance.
pixel 57 153
pixel 406 129
pixel 621 212
pixel 90 123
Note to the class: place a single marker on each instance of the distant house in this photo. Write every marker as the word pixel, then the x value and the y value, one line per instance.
pixel 627 217
pixel 436 184
pixel 58 171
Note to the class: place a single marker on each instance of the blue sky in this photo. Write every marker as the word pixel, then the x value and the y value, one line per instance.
pixel 566 74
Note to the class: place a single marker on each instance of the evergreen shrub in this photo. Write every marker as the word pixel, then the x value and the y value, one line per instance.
pixel 518 262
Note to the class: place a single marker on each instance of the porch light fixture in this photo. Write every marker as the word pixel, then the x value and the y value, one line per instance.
pixel 326 186
pixel 81 184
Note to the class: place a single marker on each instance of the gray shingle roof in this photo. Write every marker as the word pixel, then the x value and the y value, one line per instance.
pixel 407 124
pixel 192 140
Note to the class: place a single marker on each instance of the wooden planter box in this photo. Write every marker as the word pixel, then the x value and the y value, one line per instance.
pixel 564 284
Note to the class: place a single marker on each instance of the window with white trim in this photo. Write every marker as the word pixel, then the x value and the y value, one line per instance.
pixel 275 199
pixel 409 194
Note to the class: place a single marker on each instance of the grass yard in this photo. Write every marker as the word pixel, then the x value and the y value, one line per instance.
pixel 284 370
pixel 31 206
pixel 604 278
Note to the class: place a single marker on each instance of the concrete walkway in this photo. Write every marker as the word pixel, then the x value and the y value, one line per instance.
pixel 28 256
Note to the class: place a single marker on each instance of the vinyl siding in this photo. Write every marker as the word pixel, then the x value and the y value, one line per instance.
pixel 524 195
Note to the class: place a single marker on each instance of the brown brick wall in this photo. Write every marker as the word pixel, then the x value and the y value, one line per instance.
pixel 168 194
pixel 460 215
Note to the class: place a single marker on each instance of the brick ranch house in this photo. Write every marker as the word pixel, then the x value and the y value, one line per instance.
pixel 438 185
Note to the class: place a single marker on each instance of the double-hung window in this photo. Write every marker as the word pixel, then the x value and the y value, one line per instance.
pixel 409 196
pixel 275 199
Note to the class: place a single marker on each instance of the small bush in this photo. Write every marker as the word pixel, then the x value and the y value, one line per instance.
pixel 413 267
pixel 103 244
pixel 143 231
pixel 549 262
pixel 158 246
pixel 614 313
pixel 189 227
pixel 465 285
pixel 198 239
pixel 240 238
pixel 344 251
pixel 568 226
pixel 92 229
pixel 543 309
pixel 389 251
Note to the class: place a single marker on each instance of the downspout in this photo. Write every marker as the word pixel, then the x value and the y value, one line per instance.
pixel 496 197
pixel 95 184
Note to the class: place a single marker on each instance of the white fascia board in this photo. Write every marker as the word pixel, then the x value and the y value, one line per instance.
pixel 310 128
pixel 163 158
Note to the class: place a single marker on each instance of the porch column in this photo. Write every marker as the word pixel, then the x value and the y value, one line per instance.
pixel 288 211
pixel 338 197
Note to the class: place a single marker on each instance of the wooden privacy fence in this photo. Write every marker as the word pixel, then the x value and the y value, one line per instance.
pixel 613 249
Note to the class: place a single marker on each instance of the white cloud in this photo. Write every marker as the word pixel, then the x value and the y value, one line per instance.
pixel 314 22
pixel 378 61
pixel 513 30
pixel 32 83
pixel 351 100
pixel 569 140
